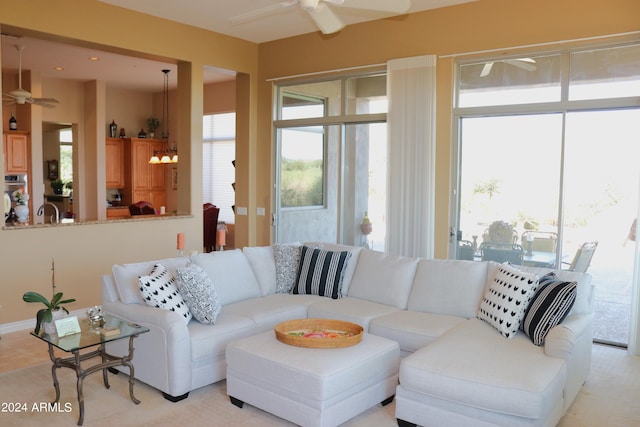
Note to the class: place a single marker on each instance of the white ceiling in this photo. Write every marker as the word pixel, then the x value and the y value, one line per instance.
pixel 146 75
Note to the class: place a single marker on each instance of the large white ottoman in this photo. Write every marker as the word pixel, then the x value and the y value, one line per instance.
pixel 308 386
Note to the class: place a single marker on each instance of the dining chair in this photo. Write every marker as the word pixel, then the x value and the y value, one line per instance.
pixel 142 208
pixel 540 241
pixel 210 213
pixel 512 253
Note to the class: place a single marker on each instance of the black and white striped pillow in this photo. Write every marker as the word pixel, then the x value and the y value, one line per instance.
pixel 549 306
pixel 320 272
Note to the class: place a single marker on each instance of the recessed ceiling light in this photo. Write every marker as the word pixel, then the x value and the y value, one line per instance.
pixel 58 68
pixel 94 58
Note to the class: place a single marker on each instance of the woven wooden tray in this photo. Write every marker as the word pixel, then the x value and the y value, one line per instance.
pixel 346 333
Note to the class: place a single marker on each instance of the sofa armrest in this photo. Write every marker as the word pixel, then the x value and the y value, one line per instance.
pixel 562 339
pixel 162 356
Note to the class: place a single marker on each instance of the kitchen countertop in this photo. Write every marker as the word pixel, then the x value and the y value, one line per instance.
pixel 135 218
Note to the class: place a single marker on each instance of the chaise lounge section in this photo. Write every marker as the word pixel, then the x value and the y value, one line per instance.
pixel 455 368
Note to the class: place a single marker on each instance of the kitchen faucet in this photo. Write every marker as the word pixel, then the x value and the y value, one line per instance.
pixel 41 212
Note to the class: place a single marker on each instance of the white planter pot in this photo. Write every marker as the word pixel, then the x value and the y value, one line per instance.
pixel 22 212
pixel 50 327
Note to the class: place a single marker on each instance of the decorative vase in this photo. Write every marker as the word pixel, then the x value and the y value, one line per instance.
pixel 22 212
pixel 50 327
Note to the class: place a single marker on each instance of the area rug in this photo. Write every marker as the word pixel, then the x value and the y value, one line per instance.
pixel 610 397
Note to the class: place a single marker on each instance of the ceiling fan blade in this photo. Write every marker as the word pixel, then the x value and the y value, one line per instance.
pixel 391 6
pixel 486 70
pixel 52 100
pixel 40 103
pixel 262 12
pixel 326 19
pixel 521 63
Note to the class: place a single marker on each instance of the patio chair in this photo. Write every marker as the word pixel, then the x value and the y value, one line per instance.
pixel 583 256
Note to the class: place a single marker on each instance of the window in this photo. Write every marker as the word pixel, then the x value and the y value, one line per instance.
pixel 218 156
pixel 66 156
pixel 331 160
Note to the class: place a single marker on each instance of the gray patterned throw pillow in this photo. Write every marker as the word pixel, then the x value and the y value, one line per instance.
pixel 287 258
pixel 199 293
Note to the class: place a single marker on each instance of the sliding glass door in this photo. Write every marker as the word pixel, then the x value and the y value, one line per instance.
pixel 602 171
pixel 547 170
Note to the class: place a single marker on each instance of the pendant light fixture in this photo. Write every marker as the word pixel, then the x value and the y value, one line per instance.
pixel 168 154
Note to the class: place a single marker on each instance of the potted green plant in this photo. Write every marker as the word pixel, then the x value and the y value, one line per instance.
pixel 57 186
pixel 54 306
pixel 152 125
pixel 45 315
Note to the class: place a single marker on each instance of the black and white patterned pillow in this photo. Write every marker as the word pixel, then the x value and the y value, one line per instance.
pixel 287 257
pixel 505 302
pixel 159 290
pixel 198 291
pixel 321 272
pixel 549 307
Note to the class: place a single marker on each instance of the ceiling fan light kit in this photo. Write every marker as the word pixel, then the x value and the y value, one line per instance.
pixel 325 18
pixel 22 96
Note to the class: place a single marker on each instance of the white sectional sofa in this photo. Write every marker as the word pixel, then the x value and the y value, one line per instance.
pixel 456 370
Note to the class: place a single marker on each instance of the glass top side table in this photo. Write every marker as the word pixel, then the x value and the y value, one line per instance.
pixel 89 337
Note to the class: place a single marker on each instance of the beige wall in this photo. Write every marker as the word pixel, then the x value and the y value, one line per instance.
pixel 85 252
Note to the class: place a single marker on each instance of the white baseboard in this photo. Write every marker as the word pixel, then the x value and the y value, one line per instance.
pixel 22 325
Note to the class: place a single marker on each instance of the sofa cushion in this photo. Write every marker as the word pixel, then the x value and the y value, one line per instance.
pixel 287 257
pixel 263 263
pixel 209 341
pixel 320 272
pixel 549 306
pixel 126 276
pixel 504 303
pixel 198 291
pixel 351 265
pixel 266 312
pixel 448 287
pixel 474 366
pixel 413 329
pixel 383 278
pixel 232 274
pixel 349 309
pixel 159 290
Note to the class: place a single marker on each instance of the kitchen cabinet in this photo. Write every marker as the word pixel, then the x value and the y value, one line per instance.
pixel 143 181
pixel 114 153
pixel 118 212
pixel 15 145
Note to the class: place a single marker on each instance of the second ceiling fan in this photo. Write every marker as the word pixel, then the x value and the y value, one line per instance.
pixel 322 13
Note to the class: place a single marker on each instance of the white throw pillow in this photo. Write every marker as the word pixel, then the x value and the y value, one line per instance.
pixel 505 302
pixel 198 291
pixel 159 290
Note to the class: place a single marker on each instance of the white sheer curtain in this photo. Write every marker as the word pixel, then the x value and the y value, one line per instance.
pixel 411 90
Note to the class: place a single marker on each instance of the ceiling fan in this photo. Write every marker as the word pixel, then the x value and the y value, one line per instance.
pixel 322 14
pixel 20 96
pixel 527 64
